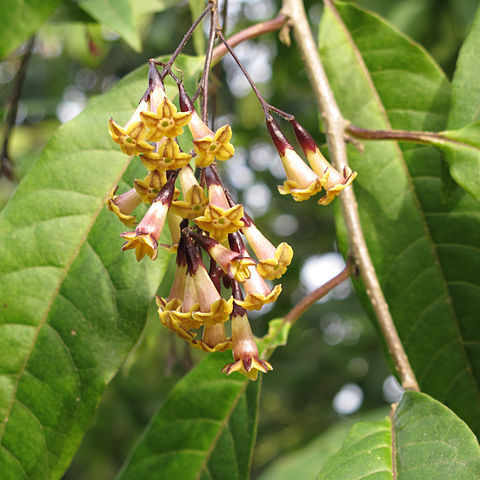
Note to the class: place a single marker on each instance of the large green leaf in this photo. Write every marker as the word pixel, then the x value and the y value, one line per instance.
pixel 426 253
pixel 204 430
pixel 20 19
pixel 71 304
pixel 116 14
pixel 305 462
pixel 426 439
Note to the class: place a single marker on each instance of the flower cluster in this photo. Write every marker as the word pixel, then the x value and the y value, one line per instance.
pixel 205 307
pixel 304 181
pixel 208 307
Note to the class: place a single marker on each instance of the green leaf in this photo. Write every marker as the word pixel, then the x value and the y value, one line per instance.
pixel 19 20
pixel 71 304
pixel 366 453
pixel 465 102
pixel 276 336
pixel 116 14
pixel 462 151
pixel 205 429
pixel 425 252
pixel 306 462
pixel 429 441
pixel 199 42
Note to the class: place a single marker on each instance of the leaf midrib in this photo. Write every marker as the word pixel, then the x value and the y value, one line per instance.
pixel 55 293
pixel 376 96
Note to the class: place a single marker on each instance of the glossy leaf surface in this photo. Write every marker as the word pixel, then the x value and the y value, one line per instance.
pixel 71 304
pixel 204 430
pixel 424 440
pixel 425 252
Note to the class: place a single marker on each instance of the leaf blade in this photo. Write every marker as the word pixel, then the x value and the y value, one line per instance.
pixel 62 346
pixel 413 238
pixel 196 432
pixel 428 441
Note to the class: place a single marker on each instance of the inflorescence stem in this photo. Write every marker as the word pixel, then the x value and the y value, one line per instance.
pixel 184 41
pixel 335 127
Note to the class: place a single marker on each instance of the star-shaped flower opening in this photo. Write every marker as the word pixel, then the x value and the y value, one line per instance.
pixel 194 203
pixel 131 138
pixel 149 186
pixel 249 367
pixel 219 147
pixel 220 311
pixel 167 122
pixel 168 157
pixel 142 243
pixel 298 193
pixel 255 301
pixel 335 190
pixel 272 268
pixel 219 222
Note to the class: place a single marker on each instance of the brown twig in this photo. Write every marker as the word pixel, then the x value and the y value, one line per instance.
pixel 306 302
pixel 203 88
pixel 6 167
pixel 251 32
pixel 184 41
pixel 398 135
pixel 335 128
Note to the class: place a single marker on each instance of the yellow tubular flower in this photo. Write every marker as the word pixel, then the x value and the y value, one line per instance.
pixel 333 181
pixel 215 339
pixel 219 222
pixel 219 147
pixel 148 187
pixel 130 138
pixel 213 308
pixel 273 262
pixel 335 190
pixel 258 293
pixel 145 237
pixel 302 182
pixel 123 205
pixel 142 243
pixel 232 263
pixel 168 157
pixel 245 351
pixel 194 199
pixel 167 122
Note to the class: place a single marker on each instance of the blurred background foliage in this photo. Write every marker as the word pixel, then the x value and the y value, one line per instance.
pixel 333 370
